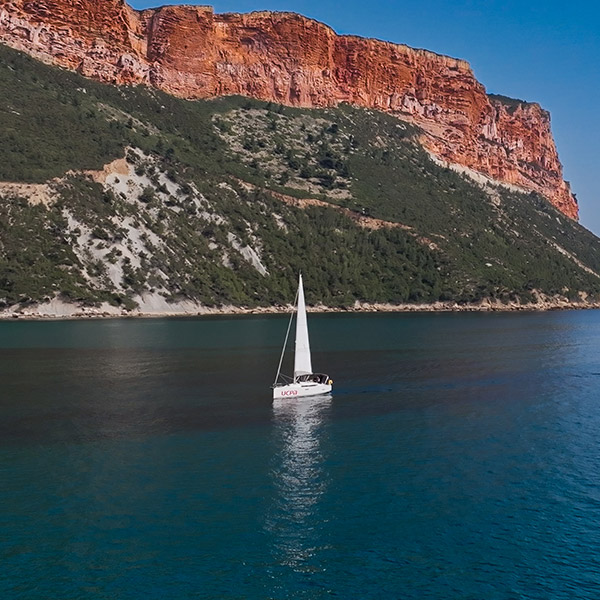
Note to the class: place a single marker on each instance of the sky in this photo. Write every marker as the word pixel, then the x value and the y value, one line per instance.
pixel 545 51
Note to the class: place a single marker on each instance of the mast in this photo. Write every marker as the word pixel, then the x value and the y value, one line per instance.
pixel 302 362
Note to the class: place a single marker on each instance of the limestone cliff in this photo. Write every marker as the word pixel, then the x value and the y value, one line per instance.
pixel 193 53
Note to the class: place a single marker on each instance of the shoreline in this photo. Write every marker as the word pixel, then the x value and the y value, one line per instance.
pixel 57 310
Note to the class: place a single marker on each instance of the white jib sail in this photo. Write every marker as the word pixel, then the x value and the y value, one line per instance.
pixel 302 362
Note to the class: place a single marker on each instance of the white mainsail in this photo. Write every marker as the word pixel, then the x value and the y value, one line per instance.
pixel 302 362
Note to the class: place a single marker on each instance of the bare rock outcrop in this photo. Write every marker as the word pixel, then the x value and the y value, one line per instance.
pixel 192 52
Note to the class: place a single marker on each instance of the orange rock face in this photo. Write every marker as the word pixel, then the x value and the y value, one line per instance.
pixel 193 53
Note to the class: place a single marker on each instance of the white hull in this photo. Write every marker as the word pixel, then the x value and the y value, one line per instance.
pixel 300 390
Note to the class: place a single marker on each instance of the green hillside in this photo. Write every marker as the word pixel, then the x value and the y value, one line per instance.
pixel 204 208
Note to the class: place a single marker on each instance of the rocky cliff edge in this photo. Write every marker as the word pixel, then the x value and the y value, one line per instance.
pixel 192 52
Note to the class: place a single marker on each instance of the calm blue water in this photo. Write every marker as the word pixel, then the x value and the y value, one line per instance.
pixel 458 458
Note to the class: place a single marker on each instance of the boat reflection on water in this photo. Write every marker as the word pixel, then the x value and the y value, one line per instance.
pixel 298 478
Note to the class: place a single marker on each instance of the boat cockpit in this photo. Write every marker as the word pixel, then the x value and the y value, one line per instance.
pixel 313 378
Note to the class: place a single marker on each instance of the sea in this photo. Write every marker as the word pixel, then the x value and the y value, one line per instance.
pixel 457 458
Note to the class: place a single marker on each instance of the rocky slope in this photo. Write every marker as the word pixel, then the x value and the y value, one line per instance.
pixel 193 53
pixel 127 200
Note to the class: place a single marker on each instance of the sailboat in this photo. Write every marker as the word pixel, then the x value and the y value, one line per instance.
pixel 304 382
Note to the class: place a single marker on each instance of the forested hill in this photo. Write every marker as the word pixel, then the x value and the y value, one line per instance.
pixel 129 198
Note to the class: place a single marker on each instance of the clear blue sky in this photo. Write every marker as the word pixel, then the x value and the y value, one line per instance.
pixel 545 51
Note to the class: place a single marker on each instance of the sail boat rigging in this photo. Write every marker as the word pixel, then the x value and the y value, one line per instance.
pixel 304 381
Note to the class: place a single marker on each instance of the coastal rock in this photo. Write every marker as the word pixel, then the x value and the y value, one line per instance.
pixel 192 52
